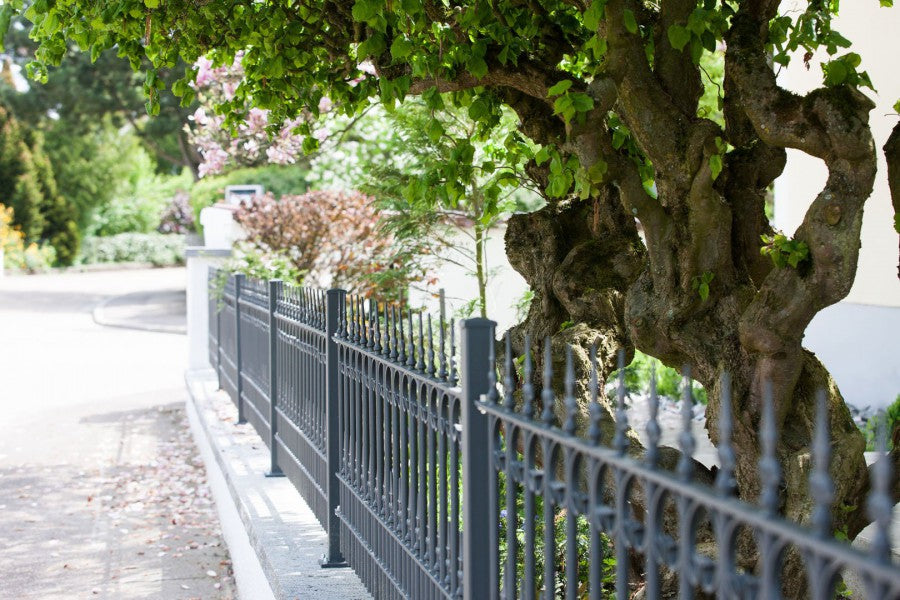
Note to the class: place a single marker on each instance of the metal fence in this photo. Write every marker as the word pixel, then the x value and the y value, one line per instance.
pixel 433 483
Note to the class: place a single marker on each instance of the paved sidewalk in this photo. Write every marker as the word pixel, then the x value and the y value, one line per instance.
pixel 102 492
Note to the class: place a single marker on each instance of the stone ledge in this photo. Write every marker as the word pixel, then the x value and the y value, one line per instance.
pixel 282 533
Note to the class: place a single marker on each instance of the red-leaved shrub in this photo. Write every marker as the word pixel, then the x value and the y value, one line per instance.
pixel 330 236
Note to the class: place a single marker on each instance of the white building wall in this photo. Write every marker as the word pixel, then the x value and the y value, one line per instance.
pixel 505 286
pixel 859 338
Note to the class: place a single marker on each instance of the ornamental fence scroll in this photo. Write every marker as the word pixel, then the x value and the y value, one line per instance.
pixel 433 483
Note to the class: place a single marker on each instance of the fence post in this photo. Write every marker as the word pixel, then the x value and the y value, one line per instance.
pixel 477 338
pixel 335 299
pixel 239 387
pixel 275 287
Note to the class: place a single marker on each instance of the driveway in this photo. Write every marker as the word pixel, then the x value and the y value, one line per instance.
pixel 102 493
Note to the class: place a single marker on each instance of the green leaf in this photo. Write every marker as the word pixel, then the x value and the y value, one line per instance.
pixel 6 14
pixel 593 15
pixel 679 36
pixel 582 102
pixel 715 165
pixel 887 3
pixel 434 130
pixel 597 171
pixel 703 290
pixel 364 10
pixel 897 106
pixel 836 72
pixel 559 88
pixel 630 22
pixel 477 67
pixel 400 48
pixel 478 109
pixel 151 3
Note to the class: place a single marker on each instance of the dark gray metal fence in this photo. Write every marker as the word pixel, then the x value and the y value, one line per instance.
pixel 432 483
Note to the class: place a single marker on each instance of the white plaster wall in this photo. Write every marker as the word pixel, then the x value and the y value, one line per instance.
pixel 874 33
pixel 858 339
pixel 505 286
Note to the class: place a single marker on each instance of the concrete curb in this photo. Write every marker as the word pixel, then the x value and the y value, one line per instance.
pixel 274 538
pixel 100 318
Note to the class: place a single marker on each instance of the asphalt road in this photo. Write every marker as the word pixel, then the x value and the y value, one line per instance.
pixel 102 494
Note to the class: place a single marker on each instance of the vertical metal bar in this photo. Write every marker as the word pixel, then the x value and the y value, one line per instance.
pixel 335 300
pixel 275 288
pixel 219 345
pixel 238 281
pixel 477 339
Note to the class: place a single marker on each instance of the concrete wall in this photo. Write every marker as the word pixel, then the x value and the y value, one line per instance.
pixel 858 338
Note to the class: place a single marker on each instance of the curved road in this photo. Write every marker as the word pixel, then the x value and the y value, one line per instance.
pixel 101 494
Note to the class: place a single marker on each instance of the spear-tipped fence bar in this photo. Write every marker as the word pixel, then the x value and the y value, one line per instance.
pixel 429 489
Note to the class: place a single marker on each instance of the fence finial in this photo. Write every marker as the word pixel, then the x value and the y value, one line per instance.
pixel 386 349
pixel 375 314
pixel 547 392
pixel 820 484
pixel 509 385
pixel 431 363
pixel 654 432
pixel 411 350
pixel 686 438
pixel 373 324
pixel 401 337
pixel 527 385
pixel 769 469
pixel 620 440
pixel 726 484
pixel 396 337
pixel 570 402
pixel 442 354
pixel 453 373
pixel 880 505
pixel 594 431
pixel 420 348
pixel 492 395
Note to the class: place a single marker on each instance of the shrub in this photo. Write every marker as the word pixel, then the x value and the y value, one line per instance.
pixel 668 380
pixel 178 216
pixel 278 180
pixel 18 255
pixel 891 418
pixel 155 248
pixel 330 236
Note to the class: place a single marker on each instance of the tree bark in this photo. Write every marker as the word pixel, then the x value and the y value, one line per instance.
pixel 892 156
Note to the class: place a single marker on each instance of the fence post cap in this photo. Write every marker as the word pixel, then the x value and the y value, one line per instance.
pixel 336 292
pixel 478 323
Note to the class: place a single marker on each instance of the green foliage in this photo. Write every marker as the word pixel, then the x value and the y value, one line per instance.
pixel 701 283
pixel 40 212
pixel 252 262
pixel 891 420
pixel 668 380
pixel 844 70
pixel 560 536
pixel 445 182
pixel 155 248
pixel 92 166
pixel 87 90
pixel 784 251
pixel 523 305
pixel 138 207
pixel 17 255
pixel 280 180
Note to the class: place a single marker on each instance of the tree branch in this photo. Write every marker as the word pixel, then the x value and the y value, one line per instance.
pixel 892 157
